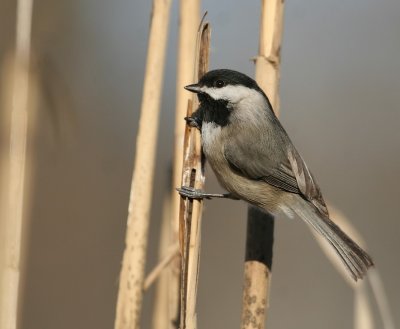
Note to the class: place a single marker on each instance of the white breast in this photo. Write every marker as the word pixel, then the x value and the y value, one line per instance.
pixel 210 133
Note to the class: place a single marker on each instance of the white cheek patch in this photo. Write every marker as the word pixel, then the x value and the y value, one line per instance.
pixel 231 93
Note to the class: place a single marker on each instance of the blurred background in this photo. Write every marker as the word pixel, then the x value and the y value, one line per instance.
pixel 339 102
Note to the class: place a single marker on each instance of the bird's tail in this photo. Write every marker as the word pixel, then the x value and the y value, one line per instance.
pixel 356 260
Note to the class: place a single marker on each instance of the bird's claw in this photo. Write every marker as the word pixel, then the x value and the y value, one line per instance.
pixel 192 193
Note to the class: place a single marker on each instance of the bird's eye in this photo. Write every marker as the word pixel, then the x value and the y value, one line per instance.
pixel 219 83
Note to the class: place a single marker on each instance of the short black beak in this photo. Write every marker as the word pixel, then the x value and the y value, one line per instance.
pixel 195 88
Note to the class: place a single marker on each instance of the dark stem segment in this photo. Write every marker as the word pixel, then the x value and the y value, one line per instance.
pixel 260 236
pixel 257 268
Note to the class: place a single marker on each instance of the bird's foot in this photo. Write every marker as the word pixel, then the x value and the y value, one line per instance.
pixel 192 193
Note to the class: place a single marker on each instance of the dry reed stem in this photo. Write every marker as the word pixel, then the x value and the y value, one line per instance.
pixel 188 26
pixel 15 191
pixel 189 13
pixel 190 210
pixel 14 203
pixel 257 274
pixel 161 305
pixel 132 273
pixel 268 59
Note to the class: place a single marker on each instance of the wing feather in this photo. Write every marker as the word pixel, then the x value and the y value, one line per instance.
pixel 285 170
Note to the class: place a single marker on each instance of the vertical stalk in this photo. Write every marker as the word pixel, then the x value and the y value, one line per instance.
pixel 189 13
pixel 190 210
pixel 260 226
pixel 13 208
pixel 268 59
pixel 160 317
pixel 130 292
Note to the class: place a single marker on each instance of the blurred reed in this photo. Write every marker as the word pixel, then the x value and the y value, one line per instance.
pixel 19 98
pixel 130 293
pixel 162 317
pixel 189 11
pixel 257 269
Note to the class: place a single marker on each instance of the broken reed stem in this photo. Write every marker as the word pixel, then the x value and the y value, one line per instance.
pixel 13 208
pixel 130 292
pixel 191 210
pixel 189 12
pixel 260 225
pixel 170 254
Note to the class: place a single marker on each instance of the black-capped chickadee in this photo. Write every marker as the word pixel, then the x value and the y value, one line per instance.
pixel 255 160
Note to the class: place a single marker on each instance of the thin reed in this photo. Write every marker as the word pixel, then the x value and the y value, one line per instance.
pixel 161 307
pixel 189 17
pixel 191 210
pixel 130 292
pixel 16 103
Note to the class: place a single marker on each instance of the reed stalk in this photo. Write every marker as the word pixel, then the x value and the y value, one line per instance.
pixel 191 210
pixel 130 292
pixel 166 310
pixel 17 103
pixel 260 226
pixel 161 305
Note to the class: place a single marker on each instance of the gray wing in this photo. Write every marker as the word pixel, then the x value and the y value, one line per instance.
pixel 284 169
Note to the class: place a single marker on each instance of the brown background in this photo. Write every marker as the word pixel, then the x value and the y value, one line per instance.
pixel 339 89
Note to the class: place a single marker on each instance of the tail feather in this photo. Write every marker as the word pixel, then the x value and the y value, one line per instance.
pixel 356 260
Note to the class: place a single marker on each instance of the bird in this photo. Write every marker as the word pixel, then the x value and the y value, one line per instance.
pixel 254 159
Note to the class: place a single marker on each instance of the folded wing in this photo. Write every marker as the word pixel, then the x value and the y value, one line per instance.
pixel 284 169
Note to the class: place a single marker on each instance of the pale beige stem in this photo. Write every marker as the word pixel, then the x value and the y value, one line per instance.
pixel 132 273
pixel 160 312
pixel 257 276
pixel 191 210
pixel 189 13
pixel 268 59
pixel 257 279
pixel 13 207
